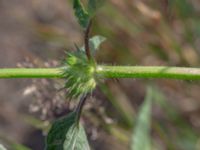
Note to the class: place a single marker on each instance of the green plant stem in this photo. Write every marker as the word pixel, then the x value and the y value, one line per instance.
pixel 30 73
pixel 181 73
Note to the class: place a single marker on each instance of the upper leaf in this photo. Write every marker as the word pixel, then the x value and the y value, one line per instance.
pixel 84 15
pixel 81 14
pixel 141 135
pixel 66 134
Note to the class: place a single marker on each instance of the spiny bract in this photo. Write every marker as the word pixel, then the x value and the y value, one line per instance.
pixel 80 74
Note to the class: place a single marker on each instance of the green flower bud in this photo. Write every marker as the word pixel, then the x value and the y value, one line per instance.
pixel 80 74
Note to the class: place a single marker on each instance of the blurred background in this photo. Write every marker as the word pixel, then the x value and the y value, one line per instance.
pixel 36 33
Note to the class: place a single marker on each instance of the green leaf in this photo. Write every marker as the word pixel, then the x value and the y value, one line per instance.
pixel 2 147
pixel 57 133
pixel 141 135
pixel 94 5
pixel 81 14
pixel 95 43
pixel 66 134
pixel 76 139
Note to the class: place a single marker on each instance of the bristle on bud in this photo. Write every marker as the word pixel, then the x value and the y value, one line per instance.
pixel 80 74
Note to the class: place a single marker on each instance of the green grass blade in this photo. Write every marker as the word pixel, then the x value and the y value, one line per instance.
pixel 141 135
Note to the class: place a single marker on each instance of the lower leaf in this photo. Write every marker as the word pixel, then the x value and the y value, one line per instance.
pixel 66 134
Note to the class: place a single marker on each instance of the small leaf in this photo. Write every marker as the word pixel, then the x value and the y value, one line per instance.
pixel 2 147
pixel 94 5
pixel 81 14
pixel 95 43
pixel 141 135
pixel 65 134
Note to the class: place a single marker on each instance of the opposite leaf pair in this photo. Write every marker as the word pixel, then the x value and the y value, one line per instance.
pixel 79 71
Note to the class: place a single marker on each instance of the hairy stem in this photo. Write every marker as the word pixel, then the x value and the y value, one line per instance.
pixel 181 73
pixel 86 40
pixel 80 107
pixel 30 73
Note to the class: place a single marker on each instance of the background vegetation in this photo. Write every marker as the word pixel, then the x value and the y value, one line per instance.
pixel 153 32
